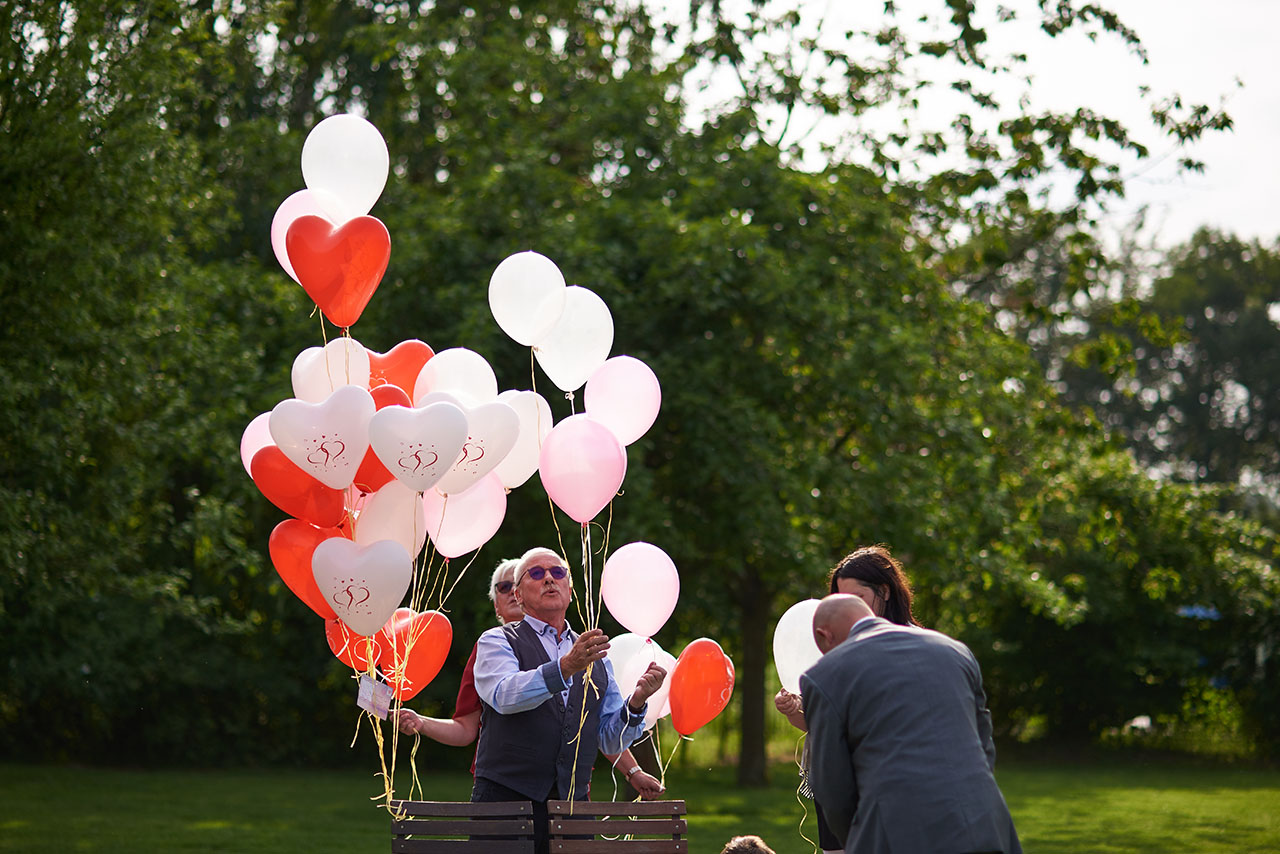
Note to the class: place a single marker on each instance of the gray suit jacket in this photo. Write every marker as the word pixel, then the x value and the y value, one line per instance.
pixel 900 744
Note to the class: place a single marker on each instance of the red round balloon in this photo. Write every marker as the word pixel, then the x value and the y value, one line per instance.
pixel 339 266
pixel 295 491
pixel 701 685
pixel 291 545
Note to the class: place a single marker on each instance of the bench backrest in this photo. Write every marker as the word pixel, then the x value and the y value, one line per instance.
pixel 630 827
pixel 447 827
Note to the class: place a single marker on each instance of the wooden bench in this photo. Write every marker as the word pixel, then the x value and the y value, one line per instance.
pixel 447 827
pixel 620 827
pixel 610 827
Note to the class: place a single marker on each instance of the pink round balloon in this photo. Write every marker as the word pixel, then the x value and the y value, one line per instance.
pixel 582 465
pixel 623 394
pixel 640 586
pixel 466 520
pixel 256 437
pixel 301 203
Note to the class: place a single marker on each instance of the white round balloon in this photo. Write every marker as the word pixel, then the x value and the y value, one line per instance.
pixel 794 649
pixel 346 159
pixel 458 371
pixel 535 423
pixel 579 342
pixel 526 296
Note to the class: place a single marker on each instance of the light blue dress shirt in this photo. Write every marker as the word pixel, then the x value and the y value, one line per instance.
pixel 507 689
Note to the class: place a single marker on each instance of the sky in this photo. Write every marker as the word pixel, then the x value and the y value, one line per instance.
pixel 1221 53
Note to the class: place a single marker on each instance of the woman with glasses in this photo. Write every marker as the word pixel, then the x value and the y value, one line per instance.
pixel 464 727
pixel 873 575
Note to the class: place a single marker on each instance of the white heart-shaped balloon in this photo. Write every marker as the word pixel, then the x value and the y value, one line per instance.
pixel 526 296
pixel 364 584
pixel 579 342
pixel 492 429
pixel 327 440
pixel 394 512
pixel 458 371
pixel 535 423
pixel 318 372
pixel 419 446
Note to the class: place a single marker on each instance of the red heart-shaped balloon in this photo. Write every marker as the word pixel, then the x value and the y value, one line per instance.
pixel 400 366
pixel 417 645
pixel 291 545
pixel 339 267
pixel 372 474
pixel 701 685
pixel 350 648
pixel 295 491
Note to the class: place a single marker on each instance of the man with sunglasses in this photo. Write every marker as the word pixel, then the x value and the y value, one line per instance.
pixel 549 698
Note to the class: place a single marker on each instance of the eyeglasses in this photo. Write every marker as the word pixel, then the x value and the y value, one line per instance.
pixel 504 586
pixel 540 572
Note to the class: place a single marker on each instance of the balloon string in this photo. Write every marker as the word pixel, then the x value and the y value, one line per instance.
pixel 804 808
pixel 576 741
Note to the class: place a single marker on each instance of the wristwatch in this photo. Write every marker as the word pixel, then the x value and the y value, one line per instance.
pixel 632 770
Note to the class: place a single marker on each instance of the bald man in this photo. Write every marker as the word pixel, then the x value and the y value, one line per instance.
pixel 900 746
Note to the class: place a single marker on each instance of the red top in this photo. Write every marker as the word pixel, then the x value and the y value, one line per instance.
pixel 468 701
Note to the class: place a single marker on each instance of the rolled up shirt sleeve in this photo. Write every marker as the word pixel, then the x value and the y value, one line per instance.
pixel 503 685
pixel 619 727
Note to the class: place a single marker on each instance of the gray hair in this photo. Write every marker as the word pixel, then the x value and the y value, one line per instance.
pixel 499 571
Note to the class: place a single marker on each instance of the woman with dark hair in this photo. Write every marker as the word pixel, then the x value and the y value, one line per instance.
pixel 873 575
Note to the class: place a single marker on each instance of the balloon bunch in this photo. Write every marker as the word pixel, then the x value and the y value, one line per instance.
pixel 377 454
pixel 582 465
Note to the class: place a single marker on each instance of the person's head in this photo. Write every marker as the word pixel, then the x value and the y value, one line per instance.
pixel 746 845
pixel 875 576
pixel 502 591
pixel 538 591
pixel 835 616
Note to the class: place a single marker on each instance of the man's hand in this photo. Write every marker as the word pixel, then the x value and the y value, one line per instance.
pixel 591 645
pixel 650 681
pixel 786 702
pixel 647 785
pixel 791 706
pixel 407 721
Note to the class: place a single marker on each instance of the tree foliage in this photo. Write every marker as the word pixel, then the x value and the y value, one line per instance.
pixel 837 367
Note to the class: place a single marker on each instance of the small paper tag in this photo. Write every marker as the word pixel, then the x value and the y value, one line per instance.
pixel 374 697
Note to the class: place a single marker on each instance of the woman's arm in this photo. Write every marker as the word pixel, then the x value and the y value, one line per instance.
pixel 456 732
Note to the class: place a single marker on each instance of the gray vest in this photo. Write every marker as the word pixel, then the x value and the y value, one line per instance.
pixel 532 751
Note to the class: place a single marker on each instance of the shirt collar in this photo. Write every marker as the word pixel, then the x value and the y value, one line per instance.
pixel 854 627
pixel 545 628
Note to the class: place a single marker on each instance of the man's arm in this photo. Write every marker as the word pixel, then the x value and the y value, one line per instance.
pixel 983 714
pixel 503 685
pixel 830 764
pixel 649 786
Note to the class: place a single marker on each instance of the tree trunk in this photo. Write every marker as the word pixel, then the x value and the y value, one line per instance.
pixel 754 611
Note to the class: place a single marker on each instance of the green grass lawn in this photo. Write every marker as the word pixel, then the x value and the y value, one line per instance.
pixel 1108 804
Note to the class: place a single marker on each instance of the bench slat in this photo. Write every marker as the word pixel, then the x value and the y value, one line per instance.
pixel 628 846
pixel 497 809
pixel 615 808
pixel 619 827
pixel 464 827
pixel 461 846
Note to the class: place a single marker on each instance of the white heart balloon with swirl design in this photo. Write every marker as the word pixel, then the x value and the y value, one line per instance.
pixel 364 584
pixel 327 440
